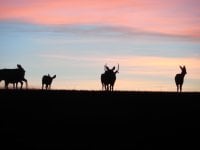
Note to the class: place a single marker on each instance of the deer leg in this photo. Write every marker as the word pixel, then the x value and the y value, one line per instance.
pixel 21 84
pixel 177 87
pixel 6 85
pixel 16 85
pixel 110 87
pixel 107 87
pixel 180 87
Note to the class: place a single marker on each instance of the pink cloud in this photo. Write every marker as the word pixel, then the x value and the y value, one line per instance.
pixel 169 17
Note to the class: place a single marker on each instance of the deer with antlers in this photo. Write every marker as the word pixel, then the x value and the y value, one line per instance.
pixel 108 78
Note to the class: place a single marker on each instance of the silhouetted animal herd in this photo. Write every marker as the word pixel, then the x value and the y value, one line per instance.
pixel 108 78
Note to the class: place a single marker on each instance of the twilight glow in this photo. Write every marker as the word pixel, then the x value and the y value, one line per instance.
pixel 73 39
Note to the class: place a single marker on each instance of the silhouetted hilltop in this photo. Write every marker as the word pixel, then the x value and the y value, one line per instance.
pixel 72 119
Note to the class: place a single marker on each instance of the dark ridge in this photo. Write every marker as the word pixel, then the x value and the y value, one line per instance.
pixel 81 119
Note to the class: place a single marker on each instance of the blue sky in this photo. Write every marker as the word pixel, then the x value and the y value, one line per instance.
pixel 77 54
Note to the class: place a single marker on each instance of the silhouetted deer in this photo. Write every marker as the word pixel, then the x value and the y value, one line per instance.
pixel 47 81
pixel 108 78
pixel 13 76
pixel 179 79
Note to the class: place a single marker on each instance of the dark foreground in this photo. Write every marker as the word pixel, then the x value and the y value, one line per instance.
pixel 35 119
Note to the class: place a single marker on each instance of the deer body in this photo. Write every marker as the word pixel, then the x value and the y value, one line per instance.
pixel 179 79
pixel 108 78
pixel 13 76
pixel 47 81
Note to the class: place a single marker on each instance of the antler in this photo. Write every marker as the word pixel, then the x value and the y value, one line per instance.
pixel 117 69
pixel 106 67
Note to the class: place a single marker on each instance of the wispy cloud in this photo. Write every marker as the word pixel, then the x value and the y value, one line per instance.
pixel 136 65
pixel 153 16
pixel 99 30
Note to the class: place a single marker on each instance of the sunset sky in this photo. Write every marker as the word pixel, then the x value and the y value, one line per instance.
pixel 74 39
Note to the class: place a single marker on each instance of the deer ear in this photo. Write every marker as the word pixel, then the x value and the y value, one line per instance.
pixel 181 67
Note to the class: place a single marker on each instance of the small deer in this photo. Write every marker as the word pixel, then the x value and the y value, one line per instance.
pixel 47 81
pixel 179 78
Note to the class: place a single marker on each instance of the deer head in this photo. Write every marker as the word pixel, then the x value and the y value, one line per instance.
pixel 183 70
